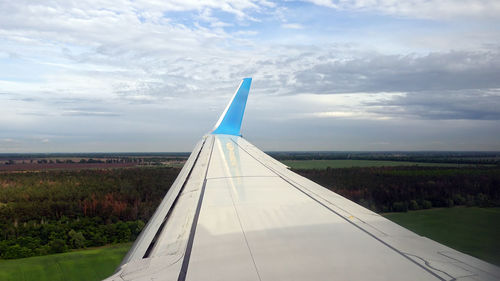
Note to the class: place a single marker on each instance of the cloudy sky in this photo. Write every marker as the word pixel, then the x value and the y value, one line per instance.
pixel 139 75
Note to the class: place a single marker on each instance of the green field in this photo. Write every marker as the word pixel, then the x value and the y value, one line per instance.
pixel 84 265
pixel 472 230
pixel 323 164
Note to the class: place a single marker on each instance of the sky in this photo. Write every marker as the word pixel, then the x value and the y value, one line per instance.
pixel 154 76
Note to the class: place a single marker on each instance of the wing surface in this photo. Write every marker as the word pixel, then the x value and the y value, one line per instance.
pixel 234 213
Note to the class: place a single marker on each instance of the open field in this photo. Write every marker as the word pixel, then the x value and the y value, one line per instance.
pixel 78 161
pixel 23 167
pixel 471 230
pixel 63 166
pixel 85 265
pixel 323 164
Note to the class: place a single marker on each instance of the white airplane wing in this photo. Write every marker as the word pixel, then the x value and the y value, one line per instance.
pixel 234 213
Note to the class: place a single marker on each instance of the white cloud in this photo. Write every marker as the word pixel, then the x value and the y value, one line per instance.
pixel 292 26
pixel 326 3
pixel 120 74
pixel 426 9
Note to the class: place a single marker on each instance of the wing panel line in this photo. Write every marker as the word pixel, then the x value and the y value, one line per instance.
pixel 338 214
pixel 244 235
pixel 238 215
pixel 235 177
pixel 167 216
pixel 189 247
pixel 139 247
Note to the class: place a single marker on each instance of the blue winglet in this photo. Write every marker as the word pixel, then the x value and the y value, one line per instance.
pixel 230 121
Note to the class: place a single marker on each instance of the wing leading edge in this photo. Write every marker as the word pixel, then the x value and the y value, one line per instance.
pixel 234 213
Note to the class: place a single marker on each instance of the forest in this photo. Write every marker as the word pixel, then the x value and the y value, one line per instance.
pixel 399 189
pixel 455 157
pixel 53 211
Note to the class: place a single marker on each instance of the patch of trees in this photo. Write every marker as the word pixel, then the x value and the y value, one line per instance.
pixel 399 189
pixel 49 237
pixel 54 211
pixel 480 158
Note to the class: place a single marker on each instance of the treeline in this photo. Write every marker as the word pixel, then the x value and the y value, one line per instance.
pixel 52 211
pixel 50 237
pixel 398 189
pixel 480 158
pixel 91 161
pixel 93 158
pixel 127 194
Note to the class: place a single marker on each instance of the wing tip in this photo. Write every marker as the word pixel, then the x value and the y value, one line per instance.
pixel 230 121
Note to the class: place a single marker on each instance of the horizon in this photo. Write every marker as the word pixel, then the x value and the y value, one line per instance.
pixel 143 153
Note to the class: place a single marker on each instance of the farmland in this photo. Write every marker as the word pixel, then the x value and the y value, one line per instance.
pixel 473 230
pixel 341 163
pixel 61 161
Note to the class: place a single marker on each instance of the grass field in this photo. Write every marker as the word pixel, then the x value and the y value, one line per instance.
pixel 323 164
pixel 85 265
pixel 473 230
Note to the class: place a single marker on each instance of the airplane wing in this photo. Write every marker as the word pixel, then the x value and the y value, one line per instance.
pixel 234 213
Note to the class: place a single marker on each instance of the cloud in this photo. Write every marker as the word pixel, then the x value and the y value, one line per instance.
pixel 325 3
pixel 443 105
pixel 292 26
pixel 85 52
pixel 70 68
pixel 427 9
pixel 88 113
pixel 402 73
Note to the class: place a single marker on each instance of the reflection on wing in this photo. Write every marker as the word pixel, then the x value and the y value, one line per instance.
pixel 234 213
